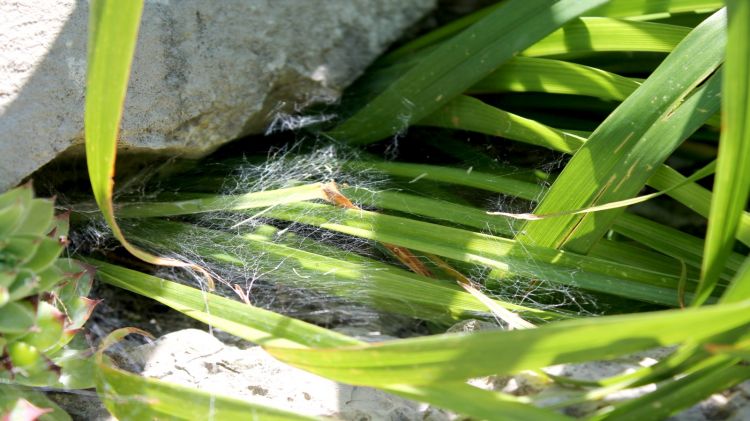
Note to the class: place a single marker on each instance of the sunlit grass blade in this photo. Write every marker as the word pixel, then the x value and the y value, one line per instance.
pixel 432 208
pixel 456 65
pixel 129 396
pixel 654 9
pixel 617 159
pixel 458 357
pixel 670 241
pixel 268 328
pixel 732 182
pixel 471 114
pixel 301 263
pixel 251 200
pixel 583 36
pixel 675 395
pixel 242 320
pixel 475 179
pixel 479 403
pixel 598 34
pixel 640 10
pixel 494 252
pixel 461 215
pixel 529 74
pixel 112 38
pixel 739 289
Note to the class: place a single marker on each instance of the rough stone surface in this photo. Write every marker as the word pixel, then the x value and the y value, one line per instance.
pixel 204 72
pixel 195 358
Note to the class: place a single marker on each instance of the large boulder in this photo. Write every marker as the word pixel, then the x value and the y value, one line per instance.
pixel 204 72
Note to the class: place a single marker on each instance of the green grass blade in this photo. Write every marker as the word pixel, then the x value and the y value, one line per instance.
pixel 732 182
pixel 654 8
pixel 252 200
pixel 440 34
pixel 670 241
pixel 452 357
pixel 495 252
pixel 242 320
pixel 739 289
pixel 584 36
pixel 639 9
pixel 478 403
pixel 529 74
pixel 268 328
pixel 475 179
pixel 594 34
pixel 302 263
pixel 436 209
pixel 456 65
pixel 471 114
pixel 694 196
pixel 618 157
pixel 461 215
pixel 673 396
pixel 467 113
pixel 112 39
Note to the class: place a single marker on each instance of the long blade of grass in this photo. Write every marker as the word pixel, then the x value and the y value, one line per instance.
pixel 732 182
pixel 619 156
pixel 529 74
pixel 583 36
pixel 252 200
pixel 452 357
pixel 242 320
pixel 462 215
pixel 495 252
pixel 650 9
pixel 640 10
pixel 739 289
pixel 467 113
pixel 678 394
pixel 112 38
pixel 475 179
pixel 302 263
pixel 597 34
pixel 456 65
pixel 672 242
pixel 471 114
pixel 268 328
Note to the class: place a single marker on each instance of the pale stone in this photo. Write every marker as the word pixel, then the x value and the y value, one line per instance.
pixel 194 358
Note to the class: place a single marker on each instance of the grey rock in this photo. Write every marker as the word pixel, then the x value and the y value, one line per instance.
pixel 204 73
